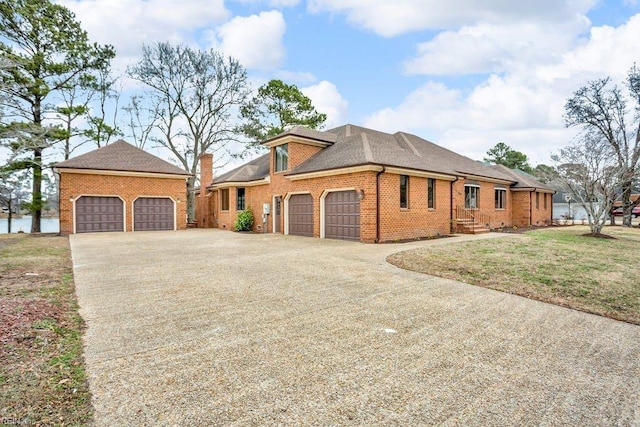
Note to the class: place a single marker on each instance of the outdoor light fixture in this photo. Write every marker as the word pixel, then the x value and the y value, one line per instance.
pixel 360 194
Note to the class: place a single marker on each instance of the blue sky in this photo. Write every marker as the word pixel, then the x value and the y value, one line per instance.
pixel 465 74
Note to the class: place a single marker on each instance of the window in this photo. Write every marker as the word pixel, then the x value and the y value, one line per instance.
pixel 537 200
pixel 431 193
pixel 404 192
pixel 501 198
pixel 545 201
pixel 240 204
pixel 471 194
pixel 282 157
pixel 224 199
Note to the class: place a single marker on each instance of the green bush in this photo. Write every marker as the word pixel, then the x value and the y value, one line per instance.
pixel 244 222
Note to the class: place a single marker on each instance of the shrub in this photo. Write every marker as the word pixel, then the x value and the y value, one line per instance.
pixel 244 222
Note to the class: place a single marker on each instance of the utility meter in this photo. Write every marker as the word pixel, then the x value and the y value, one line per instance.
pixel 266 208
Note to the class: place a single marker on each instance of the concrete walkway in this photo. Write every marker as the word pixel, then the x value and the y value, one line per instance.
pixel 207 327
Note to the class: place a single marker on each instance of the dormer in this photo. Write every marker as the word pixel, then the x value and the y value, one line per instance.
pixel 296 145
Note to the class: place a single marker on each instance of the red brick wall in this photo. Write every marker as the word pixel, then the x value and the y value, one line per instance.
pixel 74 185
pixel 417 220
pixel 395 223
pixel 520 214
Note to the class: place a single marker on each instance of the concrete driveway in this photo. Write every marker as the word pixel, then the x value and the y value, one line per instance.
pixel 206 327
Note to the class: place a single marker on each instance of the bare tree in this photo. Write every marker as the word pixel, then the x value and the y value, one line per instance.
pixel 602 111
pixel 141 121
pixel 588 171
pixel 193 95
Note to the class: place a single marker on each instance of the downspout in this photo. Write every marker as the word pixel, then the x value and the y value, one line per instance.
pixel 59 224
pixel 451 204
pixel 378 204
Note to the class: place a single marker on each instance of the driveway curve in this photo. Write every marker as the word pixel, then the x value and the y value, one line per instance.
pixel 208 327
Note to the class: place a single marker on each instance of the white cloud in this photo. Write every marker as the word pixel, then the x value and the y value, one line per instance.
pixel 278 4
pixel 488 48
pixel 401 16
pixel 256 40
pixel 127 24
pixel 328 100
pixel 522 103
pixel 609 51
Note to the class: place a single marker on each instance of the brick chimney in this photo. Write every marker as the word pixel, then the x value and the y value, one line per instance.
pixel 206 172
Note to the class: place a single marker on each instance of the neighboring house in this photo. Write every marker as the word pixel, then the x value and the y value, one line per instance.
pixel 120 187
pixel 360 184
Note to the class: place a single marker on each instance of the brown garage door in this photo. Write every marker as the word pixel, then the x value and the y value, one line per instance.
pixel 153 213
pixel 95 213
pixel 342 215
pixel 301 215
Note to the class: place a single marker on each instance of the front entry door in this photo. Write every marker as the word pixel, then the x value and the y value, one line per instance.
pixel 277 208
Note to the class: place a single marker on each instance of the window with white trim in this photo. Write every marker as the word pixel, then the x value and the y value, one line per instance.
pixel 281 157
pixel 471 197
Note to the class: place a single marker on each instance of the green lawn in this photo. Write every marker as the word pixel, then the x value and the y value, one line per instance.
pixel 557 265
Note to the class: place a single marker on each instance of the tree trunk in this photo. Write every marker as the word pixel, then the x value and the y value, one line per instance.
pixel 627 206
pixel 36 191
pixel 10 217
pixel 191 201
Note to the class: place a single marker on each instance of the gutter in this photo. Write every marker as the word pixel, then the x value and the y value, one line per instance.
pixel 378 204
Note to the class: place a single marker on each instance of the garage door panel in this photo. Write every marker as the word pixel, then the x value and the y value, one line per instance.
pixel 342 215
pixel 96 213
pixel 153 213
pixel 301 215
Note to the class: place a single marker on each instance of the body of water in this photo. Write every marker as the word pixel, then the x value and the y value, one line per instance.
pixel 47 225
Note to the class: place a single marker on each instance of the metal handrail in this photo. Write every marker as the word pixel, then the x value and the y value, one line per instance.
pixel 472 215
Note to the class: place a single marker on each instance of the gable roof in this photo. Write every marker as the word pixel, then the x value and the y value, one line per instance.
pixel 254 170
pixel 124 157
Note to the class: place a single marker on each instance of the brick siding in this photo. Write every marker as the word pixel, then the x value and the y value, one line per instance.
pixel 74 185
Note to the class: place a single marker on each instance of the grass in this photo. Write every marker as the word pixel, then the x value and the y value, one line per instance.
pixel 42 375
pixel 562 266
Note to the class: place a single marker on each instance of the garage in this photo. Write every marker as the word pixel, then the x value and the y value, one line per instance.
pixel 342 215
pixel 120 187
pixel 153 213
pixel 301 215
pixel 98 213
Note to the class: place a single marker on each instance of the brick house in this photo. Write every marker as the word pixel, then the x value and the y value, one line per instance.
pixel 120 187
pixel 360 184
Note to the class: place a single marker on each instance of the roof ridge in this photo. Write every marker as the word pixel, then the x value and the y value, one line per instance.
pixel 368 155
pixel 411 146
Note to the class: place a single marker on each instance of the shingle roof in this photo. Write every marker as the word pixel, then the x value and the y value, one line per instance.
pixel 121 156
pixel 522 179
pixel 252 171
pixel 354 146
pixel 357 146
pixel 306 132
